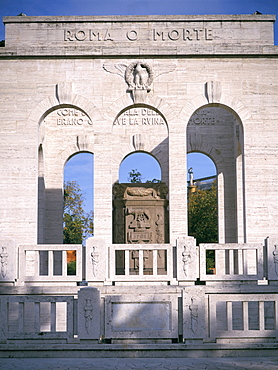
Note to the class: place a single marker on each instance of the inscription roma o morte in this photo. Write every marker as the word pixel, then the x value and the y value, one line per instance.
pixel 184 34
pixel 139 117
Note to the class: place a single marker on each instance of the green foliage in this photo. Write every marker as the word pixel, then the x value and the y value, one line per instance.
pixel 71 268
pixel 77 224
pixel 202 216
pixel 134 176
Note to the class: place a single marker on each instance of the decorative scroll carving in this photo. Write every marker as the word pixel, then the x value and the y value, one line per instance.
pixel 213 91
pixel 141 192
pixel 88 314
pixel 275 258
pixel 156 191
pixel 4 262
pixel 138 142
pixel 186 257
pixel 64 92
pixel 95 260
pixel 193 316
pixel 159 228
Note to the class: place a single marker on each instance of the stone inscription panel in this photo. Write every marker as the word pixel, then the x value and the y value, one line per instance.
pixel 142 316
pixel 140 117
pixel 153 31
pixel 154 34
pixel 153 316
pixel 68 117
pixel 140 120
pixel 211 117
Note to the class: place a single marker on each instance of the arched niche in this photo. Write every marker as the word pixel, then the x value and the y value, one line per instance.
pixel 140 128
pixel 217 131
pixel 79 187
pixel 143 163
pixel 202 198
pixel 140 207
pixel 64 130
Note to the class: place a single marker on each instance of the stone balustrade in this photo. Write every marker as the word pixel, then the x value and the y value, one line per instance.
pixel 158 263
pixel 232 262
pixel 192 315
pixel 141 262
pixel 36 317
pixel 50 263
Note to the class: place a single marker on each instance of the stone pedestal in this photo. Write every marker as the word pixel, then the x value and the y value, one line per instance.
pixel 140 213
pixel 89 313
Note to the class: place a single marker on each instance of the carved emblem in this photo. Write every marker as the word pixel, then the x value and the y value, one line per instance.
pixel 94 260
pixel 138 75
pixel 4 262
pixel 88 314
pixel 139 226
pixel 275 258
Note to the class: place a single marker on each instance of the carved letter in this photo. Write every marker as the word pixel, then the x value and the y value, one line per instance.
pixel 108 36
pixel 208 34
pixel 198 33
pixel 69 36
pixel 94 35
pixel 174 35
pixel 187 35
pixel 80 35
pixel 132 35
pixel 159 34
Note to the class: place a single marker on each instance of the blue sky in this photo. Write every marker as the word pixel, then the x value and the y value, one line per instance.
pixel 81 170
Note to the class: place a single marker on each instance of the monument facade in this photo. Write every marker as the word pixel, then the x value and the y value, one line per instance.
pixel 112 86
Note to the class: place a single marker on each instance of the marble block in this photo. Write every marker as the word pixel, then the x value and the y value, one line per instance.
pixel 89 313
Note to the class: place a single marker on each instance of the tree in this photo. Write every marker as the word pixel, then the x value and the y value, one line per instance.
pixel 134 176
pixel 202 215
pixel 77 223
pixel 203 221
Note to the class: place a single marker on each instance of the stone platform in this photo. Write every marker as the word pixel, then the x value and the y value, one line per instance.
pixel 243 363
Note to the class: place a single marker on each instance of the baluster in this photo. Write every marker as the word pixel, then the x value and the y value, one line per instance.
pixel 231 262
pixel 229 307
pixel 37 317
pixel 53 316
pixel 127 254
pixel 245 315
pixel 240 262
pixel 155 251
pixel 261 316
pixel 244 254
pixel 20 323
pixel 141 262
pixel 37 263
pixel 50 263
pixel 64 263
pixel 220 262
